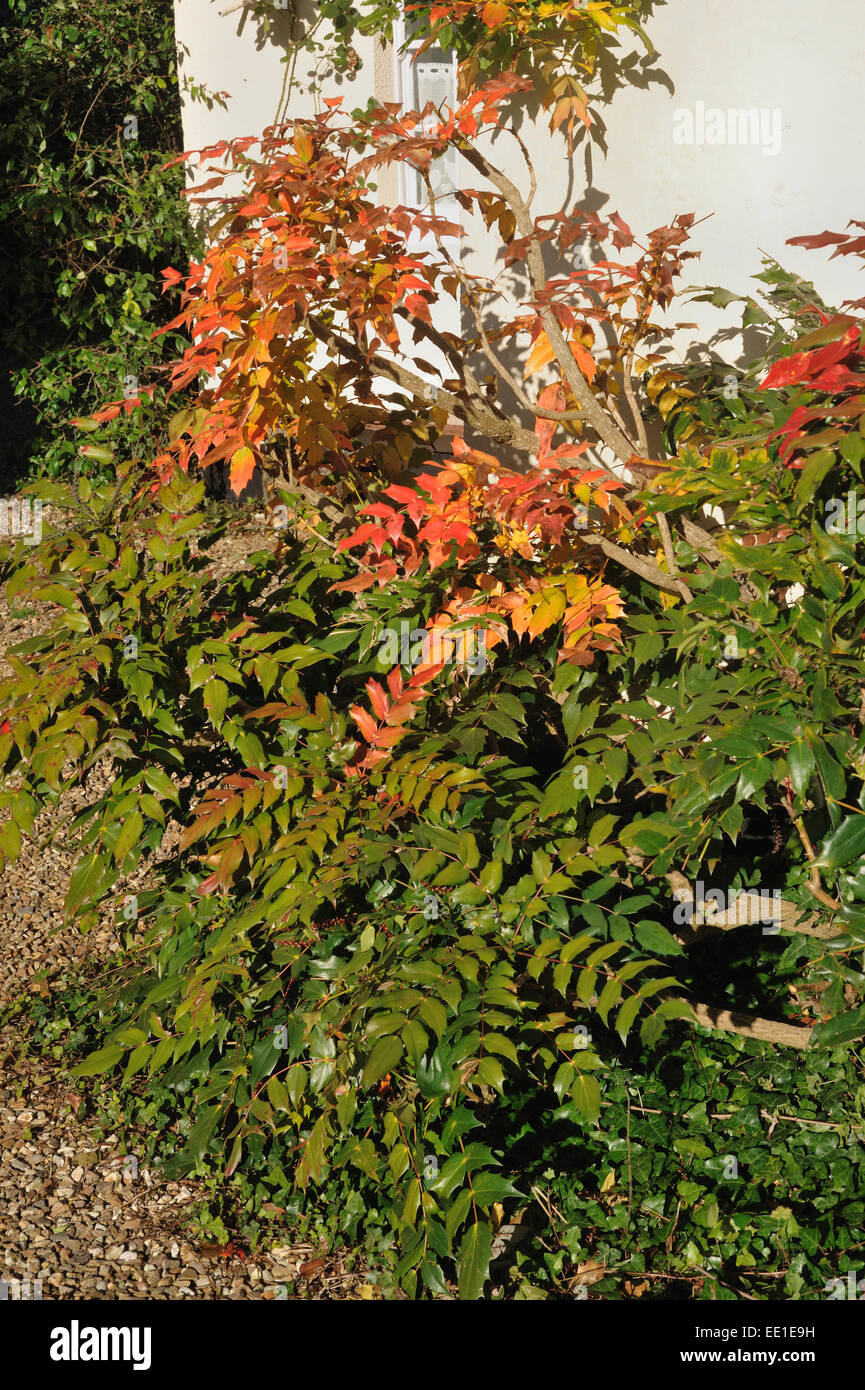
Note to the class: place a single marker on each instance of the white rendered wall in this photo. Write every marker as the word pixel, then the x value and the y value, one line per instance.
pixel 804 60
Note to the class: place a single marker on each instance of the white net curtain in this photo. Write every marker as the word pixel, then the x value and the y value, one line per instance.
pixel 432 77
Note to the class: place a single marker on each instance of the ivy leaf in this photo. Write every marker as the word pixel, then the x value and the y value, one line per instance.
pixel 433 1074
pixel 215 700
pixel 130 832
pixel 201 1133
pixel 492 1187
pixel 847 1027
pixel 800 761
pixel 100 1061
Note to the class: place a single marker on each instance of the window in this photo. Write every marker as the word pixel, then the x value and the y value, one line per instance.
pixel 432 77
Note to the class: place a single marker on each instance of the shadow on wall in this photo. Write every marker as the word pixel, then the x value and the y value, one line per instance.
pixel 287 25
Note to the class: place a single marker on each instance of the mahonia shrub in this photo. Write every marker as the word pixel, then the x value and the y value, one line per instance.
pixel 404 890
pixel 432 787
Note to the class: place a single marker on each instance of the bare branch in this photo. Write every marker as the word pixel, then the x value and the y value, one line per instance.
pixel 748 1025
pixel 814 886
pixel 747 910
pixel 476 412
pixel 540 413
pixel 631 398
pixel 667 542
pixel 593 413
pixel 638 564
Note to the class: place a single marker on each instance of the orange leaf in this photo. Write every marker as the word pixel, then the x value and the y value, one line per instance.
pixel 363 722
pixel 242 469
pixel 386 738
pixel 355 585
pixel 540 355
pixel 377 698
pixel 585 361
pixel 494 14
pixel 418 307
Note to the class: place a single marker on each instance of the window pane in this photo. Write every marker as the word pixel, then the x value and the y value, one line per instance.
pixel 433 79
pixel 416 26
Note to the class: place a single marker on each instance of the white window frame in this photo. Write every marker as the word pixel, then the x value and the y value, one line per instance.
pixel 412 192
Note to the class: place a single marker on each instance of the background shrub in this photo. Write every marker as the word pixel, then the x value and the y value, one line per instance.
pixel 89 113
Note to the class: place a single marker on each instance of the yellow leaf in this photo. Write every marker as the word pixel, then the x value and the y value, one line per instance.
pixel 542 353
pixel 507 225
pixel 609 1181
pixel 597 11
pixel 548 609
pixel 303 146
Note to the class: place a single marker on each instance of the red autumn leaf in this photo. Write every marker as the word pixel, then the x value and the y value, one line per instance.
pixel 418 307
pixel 623 236
pixel 367 532
pixel 377 509
pixel 837 378
pixel 551 398
pixel 377 698
pixel 796 370
pixel 356 585
pixel 813 243
pixel 412 500
pixel 364 723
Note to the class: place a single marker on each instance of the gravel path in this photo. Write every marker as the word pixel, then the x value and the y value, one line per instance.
pixel 75 1214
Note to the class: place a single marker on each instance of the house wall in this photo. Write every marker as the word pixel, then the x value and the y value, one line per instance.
pixel 803 61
